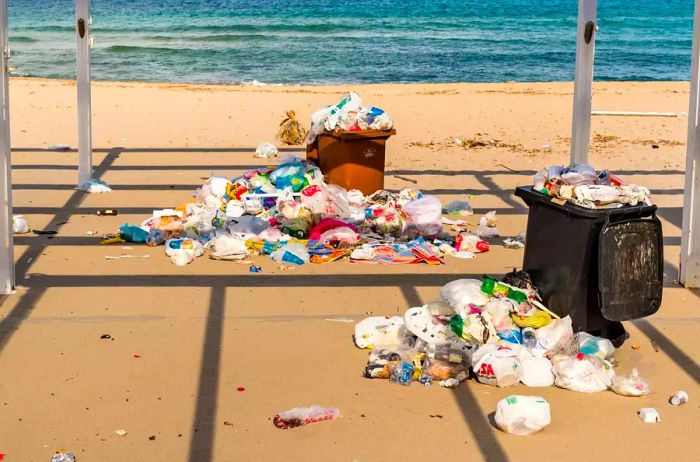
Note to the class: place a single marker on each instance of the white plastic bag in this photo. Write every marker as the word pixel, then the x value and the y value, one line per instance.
pixel 229 247
pixel 550 335
pixel 19 224
pixel 424 216
pixel 497 365
pixel 379 330
pixel 266 150
pixel 586 374
pixel 522 415
pixel 633 385
pixel 463 292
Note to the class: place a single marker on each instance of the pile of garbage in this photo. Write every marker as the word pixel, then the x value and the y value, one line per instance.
pixel 496 331
pixel 349 115
pixel 291 214
pixel 584 186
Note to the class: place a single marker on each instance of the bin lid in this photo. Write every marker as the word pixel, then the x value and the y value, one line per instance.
pixel 530 196
pixel 630 269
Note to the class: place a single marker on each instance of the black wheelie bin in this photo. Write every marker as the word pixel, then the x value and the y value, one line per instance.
pixel 600 266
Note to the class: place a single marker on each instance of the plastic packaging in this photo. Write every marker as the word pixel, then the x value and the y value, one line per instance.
pixel 550 335
pixel 379 330
pixel 537 371
pixel 95 186
pixel 295 254
pixel 183 251
pixel 462 208
pixel 402 373
pixel 266 150
pixel 442 370
pixel 587 374
pixel 464 292
pixel 488 225
pixel 423 325
pixel 131 233
pixel 678 398
pixel 468 242
pixel 63 457
pixel 497 365
pixel 19 224
pixel 424 217
pixel 649 415
pixel 300 416
pixel 522 415
pixel 630 386
pixel 538 319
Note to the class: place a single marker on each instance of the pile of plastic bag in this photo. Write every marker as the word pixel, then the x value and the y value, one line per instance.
pixel 583 185
pixel 349 115
pixel 497 332
pixel 288 212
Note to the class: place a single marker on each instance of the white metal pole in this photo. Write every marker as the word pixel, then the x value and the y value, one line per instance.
pixel 83 22
pixel 583 84
pixel 7 260
pixel 690 243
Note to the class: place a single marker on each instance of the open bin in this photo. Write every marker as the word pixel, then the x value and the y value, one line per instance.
pixel 353 160
pixel 600 266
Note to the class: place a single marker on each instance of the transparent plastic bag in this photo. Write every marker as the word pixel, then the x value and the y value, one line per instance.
pixel 266 150
pixel 488 225
pixel 423 217
pixel 462 208
pixel 19 224
pixel 633 385
pixel 549 336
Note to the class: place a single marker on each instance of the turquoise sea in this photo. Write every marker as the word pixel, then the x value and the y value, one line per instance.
pixel 331 41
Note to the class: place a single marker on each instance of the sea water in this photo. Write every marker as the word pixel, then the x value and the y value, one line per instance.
pixel 359 41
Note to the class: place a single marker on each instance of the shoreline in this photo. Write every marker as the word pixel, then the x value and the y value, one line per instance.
pixel 281 87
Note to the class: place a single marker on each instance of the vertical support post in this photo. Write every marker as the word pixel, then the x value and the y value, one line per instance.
pixel 82 25
pixel 7 259
pixel 690 243
pixel 583 84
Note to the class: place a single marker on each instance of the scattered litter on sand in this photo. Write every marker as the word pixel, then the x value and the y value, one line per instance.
pixel 300 416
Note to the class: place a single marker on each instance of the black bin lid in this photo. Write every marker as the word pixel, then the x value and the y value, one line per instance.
pixel 630 269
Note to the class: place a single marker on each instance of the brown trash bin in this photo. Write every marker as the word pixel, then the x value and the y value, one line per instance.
pixel 353 160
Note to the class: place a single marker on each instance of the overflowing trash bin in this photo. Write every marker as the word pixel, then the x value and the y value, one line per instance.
pixel 348 143
pixel 595 258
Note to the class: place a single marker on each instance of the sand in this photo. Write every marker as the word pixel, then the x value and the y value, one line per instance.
pixel 204 330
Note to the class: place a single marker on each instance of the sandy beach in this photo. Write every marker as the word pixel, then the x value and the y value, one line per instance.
pixel 203 330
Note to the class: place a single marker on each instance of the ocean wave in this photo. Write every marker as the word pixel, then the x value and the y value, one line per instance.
pixel 22 39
